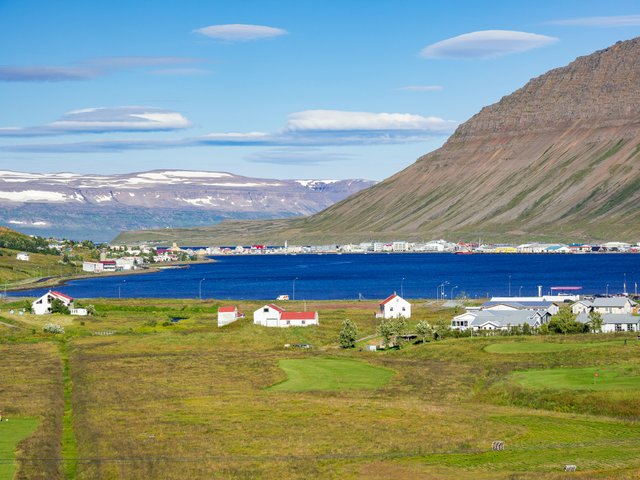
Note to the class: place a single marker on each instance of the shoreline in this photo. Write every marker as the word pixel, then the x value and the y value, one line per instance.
pixel 46 282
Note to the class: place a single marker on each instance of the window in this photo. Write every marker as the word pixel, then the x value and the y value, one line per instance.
pixel 391 309
pixel 629 327
pixel 265 309
pixel 618 327
pixel 303 322
pixel 288 322
pixel 403 309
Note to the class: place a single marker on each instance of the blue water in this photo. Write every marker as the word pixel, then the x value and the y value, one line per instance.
pixel 374 276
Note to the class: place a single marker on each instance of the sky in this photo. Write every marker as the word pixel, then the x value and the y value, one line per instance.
pixel 271 88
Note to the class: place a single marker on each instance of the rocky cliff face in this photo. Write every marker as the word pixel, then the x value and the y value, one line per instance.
pixel 99 206
pixel 559 159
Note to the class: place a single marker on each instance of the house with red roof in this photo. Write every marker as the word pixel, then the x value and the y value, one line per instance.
pixel 228 314
pixel 274 316
pixel 42 305
pixel 394 306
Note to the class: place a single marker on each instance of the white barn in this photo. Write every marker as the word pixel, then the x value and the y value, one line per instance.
pixel 227 315
pixel 42 305
pixel 23 256
pixel 394 307
pixel 273 316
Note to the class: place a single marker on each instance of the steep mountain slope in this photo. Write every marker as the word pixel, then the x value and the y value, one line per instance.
pixel 557 159
pixel 67 204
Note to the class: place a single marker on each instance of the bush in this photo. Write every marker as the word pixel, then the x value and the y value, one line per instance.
pixel 53 328
pixel 348 334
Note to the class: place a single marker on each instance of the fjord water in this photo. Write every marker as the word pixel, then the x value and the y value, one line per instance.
pixel 373 276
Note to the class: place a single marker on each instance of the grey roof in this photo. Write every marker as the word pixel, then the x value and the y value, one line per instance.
pixel 504 318
pixel 617 302
pixel 521 305
pixel 610 318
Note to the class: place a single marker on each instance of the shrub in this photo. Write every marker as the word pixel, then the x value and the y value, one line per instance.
pixel 53 328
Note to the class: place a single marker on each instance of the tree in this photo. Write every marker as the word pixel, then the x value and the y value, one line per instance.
pixel 442 328
pixel 386 330
pixel 595 321
pixel 57 306
pixel 348 334
pixel 424 330
pixel 526 329
pixel 565 322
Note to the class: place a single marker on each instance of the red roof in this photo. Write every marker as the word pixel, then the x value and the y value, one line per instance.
pixel 388 299
pixel 298 316
pixel 62 296
pixel 275 307
pixel 108 262
pixel 227 309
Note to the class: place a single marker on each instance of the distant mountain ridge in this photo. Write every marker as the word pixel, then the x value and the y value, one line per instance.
pixel 558 159
pixel 99 206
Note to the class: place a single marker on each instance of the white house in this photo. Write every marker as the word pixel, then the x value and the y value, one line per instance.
pixel 227 315
pixel 533 305
pixel 582 306
pixel 42 305
pixel 614 322
pixel 23 256
pixel 613 305
pixel 273 316
pixel 498 319
pixel 394 307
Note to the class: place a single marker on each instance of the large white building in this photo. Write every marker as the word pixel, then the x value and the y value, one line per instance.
pixel 394 307
pixel 614 322
pixel 273 316
pixel 498 319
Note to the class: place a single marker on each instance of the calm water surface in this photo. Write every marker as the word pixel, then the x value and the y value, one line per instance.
pixel 346 276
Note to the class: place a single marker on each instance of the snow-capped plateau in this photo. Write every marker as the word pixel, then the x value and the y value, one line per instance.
pixel 99 206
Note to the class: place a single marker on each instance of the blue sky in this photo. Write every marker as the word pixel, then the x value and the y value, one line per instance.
pixel 280 89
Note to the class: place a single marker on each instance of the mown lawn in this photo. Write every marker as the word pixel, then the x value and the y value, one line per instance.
pixel 13 432
pixel 330 374
pixel 614 377
pixel 545 347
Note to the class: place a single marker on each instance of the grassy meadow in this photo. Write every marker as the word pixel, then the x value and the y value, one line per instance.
pixel 153 389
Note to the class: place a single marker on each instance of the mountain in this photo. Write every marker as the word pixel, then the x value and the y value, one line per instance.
pixel 99 206
pixel 558 159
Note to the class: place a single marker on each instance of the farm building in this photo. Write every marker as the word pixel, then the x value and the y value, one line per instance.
pixel 394 307
pixel 23 256
pixel 227 315
pixel 273 316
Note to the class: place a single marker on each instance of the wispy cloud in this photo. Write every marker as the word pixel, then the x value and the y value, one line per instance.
pixel 612 21
pixel 105 120
pixel 310 128
pixel 88 69
pixel 486 44
pixel 46 74
pixel 239 32
pixel 297 156
pixel 181 72
pixel 422 88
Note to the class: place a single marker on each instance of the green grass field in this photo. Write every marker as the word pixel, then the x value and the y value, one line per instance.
pixel 189 400
pixel 545 347
pixel 12 433
pixel 330 374
pixel 615 377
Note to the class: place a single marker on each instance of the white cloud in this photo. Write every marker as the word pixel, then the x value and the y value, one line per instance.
pixel 422 88
pixel 310 128
pixel 297 156
pixel 240 32
pixel 486 44
pixel 102 120
pixel 86 69
pixel 613 21
pixel 339 120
